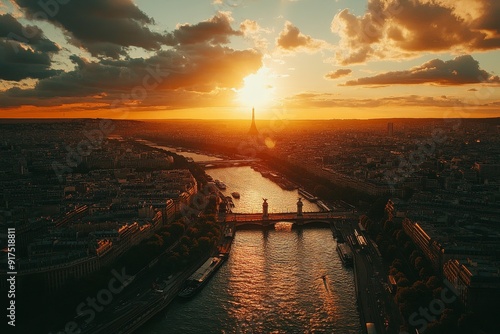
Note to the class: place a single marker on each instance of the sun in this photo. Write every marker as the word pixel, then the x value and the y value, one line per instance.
pixel 257 90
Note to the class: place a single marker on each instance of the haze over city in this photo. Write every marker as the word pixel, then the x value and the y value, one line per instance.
pixel 216 59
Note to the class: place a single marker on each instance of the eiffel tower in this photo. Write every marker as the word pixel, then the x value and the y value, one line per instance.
pixel 253 129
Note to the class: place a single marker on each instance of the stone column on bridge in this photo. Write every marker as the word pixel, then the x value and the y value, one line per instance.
pixel 299 207
pixel 265 214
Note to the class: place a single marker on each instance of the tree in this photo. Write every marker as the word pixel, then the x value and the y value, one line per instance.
pixel 432 283
pixel 391 252
pixel 185 240
pixel 419 263
pixel 204 244
pixel 403 282
pixel 414 255
pixel 388 226
pixel 425 273
pixel 397 264
pixel 176 230
pixel 401 237
pixel 192 232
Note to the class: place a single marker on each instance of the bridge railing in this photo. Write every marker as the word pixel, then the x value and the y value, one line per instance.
pixel 255 217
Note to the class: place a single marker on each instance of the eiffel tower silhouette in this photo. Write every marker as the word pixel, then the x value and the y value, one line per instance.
pixel 253 129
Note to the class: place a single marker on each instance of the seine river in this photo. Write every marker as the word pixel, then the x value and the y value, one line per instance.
pixel 272 281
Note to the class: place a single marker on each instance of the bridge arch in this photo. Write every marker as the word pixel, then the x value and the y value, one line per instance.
pixel 316 222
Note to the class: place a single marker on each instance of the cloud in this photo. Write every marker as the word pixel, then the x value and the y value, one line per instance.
pixel 11 29
pixel 338 73
pixel 198 69
pixel 395 28
pixel 103 27
pixel 216 30
pixel 186 71
pixel 249 27
pixel 291 39
pixel 254 32
pixel 459 71
pixel 326 100
pixel 24 51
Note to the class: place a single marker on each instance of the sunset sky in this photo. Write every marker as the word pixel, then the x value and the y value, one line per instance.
pixel 295 59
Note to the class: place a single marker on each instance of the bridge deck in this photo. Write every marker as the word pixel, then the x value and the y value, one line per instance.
pixel 240 218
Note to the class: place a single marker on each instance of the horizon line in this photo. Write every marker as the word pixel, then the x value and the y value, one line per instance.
pixel 246 119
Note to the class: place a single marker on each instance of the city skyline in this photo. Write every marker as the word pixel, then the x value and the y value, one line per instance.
pixel 216 59
pixel 330 226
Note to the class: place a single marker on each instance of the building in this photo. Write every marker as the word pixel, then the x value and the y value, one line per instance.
pixel 422 238
pixel 477 281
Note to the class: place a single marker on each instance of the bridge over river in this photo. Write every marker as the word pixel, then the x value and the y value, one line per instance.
pixel 269 219
pixel 258 219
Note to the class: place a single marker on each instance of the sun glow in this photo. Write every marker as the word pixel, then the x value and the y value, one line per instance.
pixel 257 90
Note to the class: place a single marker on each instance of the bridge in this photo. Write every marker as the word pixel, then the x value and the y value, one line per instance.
pixel 259 220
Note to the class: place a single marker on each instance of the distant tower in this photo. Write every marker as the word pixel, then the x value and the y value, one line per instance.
pixel 390 129
pixel 253 129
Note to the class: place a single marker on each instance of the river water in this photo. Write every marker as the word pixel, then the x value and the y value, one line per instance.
pixel 272 281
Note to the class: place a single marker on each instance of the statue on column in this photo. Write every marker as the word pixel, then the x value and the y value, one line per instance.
pixel 265 214
pixel 299 207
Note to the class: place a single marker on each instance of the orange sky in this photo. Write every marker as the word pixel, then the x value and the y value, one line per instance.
pixel 216 59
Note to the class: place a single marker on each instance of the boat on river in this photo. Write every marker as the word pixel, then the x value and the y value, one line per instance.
pixel 200 277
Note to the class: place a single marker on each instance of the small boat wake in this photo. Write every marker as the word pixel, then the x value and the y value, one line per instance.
pixel 325 283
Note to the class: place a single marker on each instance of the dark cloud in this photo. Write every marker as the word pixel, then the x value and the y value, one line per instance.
pixel 104 27
pixel 459 71
pixel 11 29
pixel 216 30
pixel 290 39
pixel 488 20
pixel 197 68
pixel 19 63
pixel 396 28
pixel 24 51
pixel 338 73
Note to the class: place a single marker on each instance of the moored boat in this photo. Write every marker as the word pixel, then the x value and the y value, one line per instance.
pixel 200 277
pixel 307 195
pixel 345 254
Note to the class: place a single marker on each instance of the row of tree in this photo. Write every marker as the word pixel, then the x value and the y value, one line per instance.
pixel 419 289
